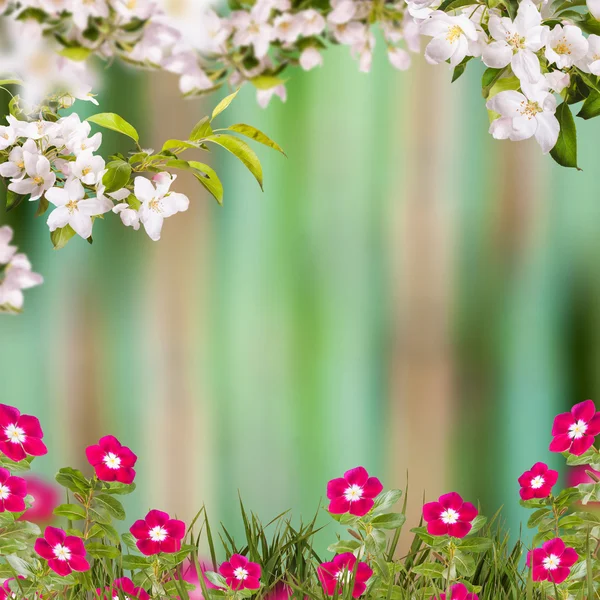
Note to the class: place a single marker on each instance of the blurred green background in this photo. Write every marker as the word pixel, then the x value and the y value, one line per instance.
pixel 407 294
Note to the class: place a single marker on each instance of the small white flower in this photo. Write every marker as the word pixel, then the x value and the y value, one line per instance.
pixel 399 58
pixel 6 250
pixel 40 176
pixel 84 9
pixel 18 276
pixel 134 9
pixel 350 33
pixel 263 97
pixel 129 216
pixel 310 58
pixel 158 203
pixel 88 167
pixel 451 37
pixel 287 28
pixel 192 77
pixel 594 7
pixel 14 167
pixel 363 49
pixel 74 209
pixel 313 22
pixel 590 63
pixel 566 46
pixel 252 31
pixel 343 11
pixel 522 117
pixel 8 136
pixel 558 81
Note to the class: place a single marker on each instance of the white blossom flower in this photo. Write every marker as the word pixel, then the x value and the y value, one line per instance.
pixel 516 42
pixel 18 276
pixel 129 216
pixel 74 209
pixel 557 81
pixel 134 9
pixel 287 28
pixel 399 58
pixel 310 58
pixel 84 9
pixel 363 49
pixel 40 176
pixel 350 33
pixel 451 37
pixel 6 250
pixel 313 22
pixel 566 46
pixel 14 167
pixel 250 30
pixel 8 136
pixel 263 97
pixel 343 11
pixel 88 167
pixel 522 117
pixel 192 77
pixel 594 7
pixel 590 63
pixel 158 202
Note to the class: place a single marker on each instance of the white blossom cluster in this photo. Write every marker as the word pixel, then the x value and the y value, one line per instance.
pixel 15 273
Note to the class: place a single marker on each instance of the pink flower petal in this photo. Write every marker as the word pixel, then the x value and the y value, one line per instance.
pixel 31 426
pixel 594 425
pixel 125 475
pixel 451 500
pixel 156 518
pixel 373 487
pixel 170 545
pixel 582 445
pixel 339 506
pixel 432 511
pixel 460 529
pixel 34 446
pixel 584 411
pixel 468 512
pixel 13 451
pixel 361 507
pixel 94 454
pixel 238 561
pixel 148 547
pixel 336 488
pixel 175 528
pixel 562 423
pixel 437 527
pixel 60 566
pixel 569 557
pixel 554 546
pixel 54 535
pixel 9 415
pixel 251 583
pixel 43 548
pixel 78 563
pixel 140 530
pixel 561 443
pixel 559 574
pixel 109 443
pixel 14 504
pixel 356 476
pixel 128 458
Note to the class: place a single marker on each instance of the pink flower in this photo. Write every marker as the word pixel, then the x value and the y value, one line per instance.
pixel 111 460
pixel 158 533
pixel 127 589
pixel 353 493
pixel 279 592
pixel 20 435
pixel 552 562
pixel 240 573
pixel 450 515
pixel 339 572
pixel 579 475
pixel 45 500
pixel 64 553
pixel 190 575
pixel 537 482
pixel 575 431
pixel 12 492
pixel 459 591
pixel 5 589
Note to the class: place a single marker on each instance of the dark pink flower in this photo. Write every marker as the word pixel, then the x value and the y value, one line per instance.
pixel 111 460
pixel 353 493
pixel 12 492
pixel 45 499
pixel 579 474
pixel 279 592
pixel 450 515
pixel 537 482
pixel 158 533
pixel 64 553
pixel 5 589
pixel 575 431
pixel 127 588
pixel 459 591
pixel 240 573
pixel 339 573
pixel 189 573
pixel 552 562
pixel 20 435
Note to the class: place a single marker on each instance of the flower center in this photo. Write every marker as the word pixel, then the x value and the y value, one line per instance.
pixel 449 516
pixel 516 42
pixel 61 552
pixel 4 135
pixel 20 164
pixel 454 33
pixel 112 461
pixel 537 482
pixel 240 573
pixel 86 171
pixel 353 493
pixel 15 434
pixel 4 492
pixel 551 562
pixel 38 180
pixel 577 430
pixel 158 534
pixel 343 576
pixel 530 109
pixel 563 47
pixel 154 205
pixel 71 205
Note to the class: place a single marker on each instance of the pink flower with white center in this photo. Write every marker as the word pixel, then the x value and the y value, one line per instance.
pixel 111 460
pixel 12 492
pixel 6 591
pixel 20 435
pixel 552 562
pixel 45 499
pixel 158 533
pixel 537 482
pixel 189 574
pixel 240 573
pixel 450 515
pixel 126 587
pixel 340 572
pixel 353 493
pixel 64 553
pixel 575 431
pixel 459 591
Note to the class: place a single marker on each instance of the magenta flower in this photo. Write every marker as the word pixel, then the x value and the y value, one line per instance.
pixel 575 431
pixel 158 533
pixel 20 435
pixel 353 493
pixel 552 562
pixel 579 474
pixel 279 592
pixel 127 588
pixel 6 591
pixel 12 492
pixel 537 482
pixel 450 515
pixel 339 573
pixel 64 553
pixel 111 460
pixel 459 591
pixel 45 499
pixel 240 573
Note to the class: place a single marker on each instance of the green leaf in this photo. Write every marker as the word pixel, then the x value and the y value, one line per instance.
pixel 432 570
pixel 98 550
pixel 256 135
pixel 130 562
pixel 209 179
pixel 61 236
pixel 565 150
pixel 488 79
pixel 386 500
pixel 116 487
pixel 100 530
pixel 72 512
pixel 73 480
pixel 266 82
pixel 389 521
pixel 216 579
pixel 111 505
pixel 242 151
pixel 11 82
pixel 475 544
pixel 13 200
pixel 201 130
pixel 344 546
pixel 115 123
pixel 170 144
pixel 76 53
pixel 591 106
pixel 15 467
pixel 460 68
pixel 537 517
pixel 117 175
pixel 223 104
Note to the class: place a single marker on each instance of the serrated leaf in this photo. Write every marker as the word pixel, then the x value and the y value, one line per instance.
pixel 256 135
pixel 115 123
pixel 223 104
pixel 242 151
